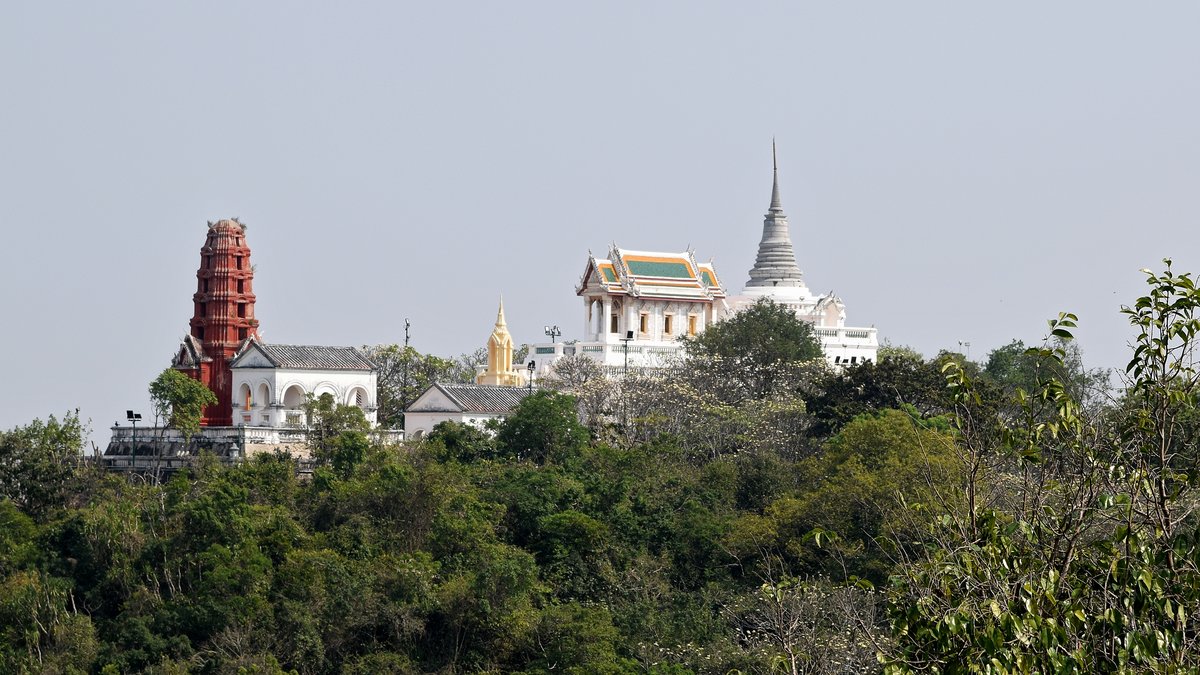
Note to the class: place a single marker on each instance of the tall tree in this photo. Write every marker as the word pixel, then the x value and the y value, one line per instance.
pixel 584 379
pixel 755 347
pixel 543 427
pixel 1015 366
pixel 403 374
pixel 1076 550
pixel 900 377
pixel 38 460
pixel 337 432
pixel 180 401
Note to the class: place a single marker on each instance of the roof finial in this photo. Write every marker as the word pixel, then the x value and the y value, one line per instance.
pixel 776 204
pixel 500 313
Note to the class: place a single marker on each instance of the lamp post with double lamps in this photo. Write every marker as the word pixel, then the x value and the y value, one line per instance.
pixel 133 418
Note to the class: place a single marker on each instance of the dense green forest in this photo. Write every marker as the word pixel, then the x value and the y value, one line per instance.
pixel 752 511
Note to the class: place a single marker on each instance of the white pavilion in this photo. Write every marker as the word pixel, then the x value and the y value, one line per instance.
pixel 637 304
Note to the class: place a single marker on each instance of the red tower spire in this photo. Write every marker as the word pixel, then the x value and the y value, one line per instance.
pixel 223 317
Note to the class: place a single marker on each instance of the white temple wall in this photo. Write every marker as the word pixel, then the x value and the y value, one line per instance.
pixel 418 424
pixel 276 412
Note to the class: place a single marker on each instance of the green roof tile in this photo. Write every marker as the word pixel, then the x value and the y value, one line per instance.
pixel 658 269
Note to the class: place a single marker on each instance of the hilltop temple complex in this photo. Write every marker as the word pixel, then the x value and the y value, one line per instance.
pixel 637 306
pixel 272 382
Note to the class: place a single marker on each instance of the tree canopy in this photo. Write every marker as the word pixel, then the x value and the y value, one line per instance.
pixel 179 400
pixel 911 515
pixel 542 427
pixel 754 346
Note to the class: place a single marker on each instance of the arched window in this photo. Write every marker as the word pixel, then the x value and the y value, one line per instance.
pixel 264 395
pixel 357 397
pixel 244 396
pixel 293 398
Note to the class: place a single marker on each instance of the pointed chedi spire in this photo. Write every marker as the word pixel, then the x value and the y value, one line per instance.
pixel 775 265
pixel 776 204
pixel 500 323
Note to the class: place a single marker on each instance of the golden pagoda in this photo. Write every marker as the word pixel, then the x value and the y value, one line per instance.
pixel 500 356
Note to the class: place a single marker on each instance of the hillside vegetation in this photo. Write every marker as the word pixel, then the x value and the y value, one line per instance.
pixel 752 512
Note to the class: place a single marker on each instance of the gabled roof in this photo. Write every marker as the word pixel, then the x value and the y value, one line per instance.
pixel 469 398
pixel 300 357
pixel 708 275
pixel 652 274
pixel 191 354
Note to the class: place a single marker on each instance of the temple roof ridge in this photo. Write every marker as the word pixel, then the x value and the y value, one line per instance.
pixel 307 357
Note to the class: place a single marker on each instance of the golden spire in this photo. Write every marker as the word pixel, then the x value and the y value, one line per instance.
pixel 500 354
pixel 500 315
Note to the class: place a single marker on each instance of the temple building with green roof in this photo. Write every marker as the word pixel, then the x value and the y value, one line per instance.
pixel 637 304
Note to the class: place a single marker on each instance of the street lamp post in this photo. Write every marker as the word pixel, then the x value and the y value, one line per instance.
pixel 531 366
pixel 133 418
pixel 624 380
pixel 553 332
pixel 625 343
pixel 404 355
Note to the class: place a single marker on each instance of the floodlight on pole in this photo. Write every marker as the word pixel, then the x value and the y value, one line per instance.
pixel 133 418
pixel 625 343
pixel 624 375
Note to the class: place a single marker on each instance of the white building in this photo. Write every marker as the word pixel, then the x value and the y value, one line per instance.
pixel 271 382
pixel 473 404
pixel 776 275
pixel 642 302
pixel 637 305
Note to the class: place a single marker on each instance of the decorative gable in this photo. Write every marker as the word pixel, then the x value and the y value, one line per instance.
pixel 434 399
pixel 252 356
pixel 651 275
pixel 190 355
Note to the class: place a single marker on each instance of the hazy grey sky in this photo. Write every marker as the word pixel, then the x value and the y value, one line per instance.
pixel 954 171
